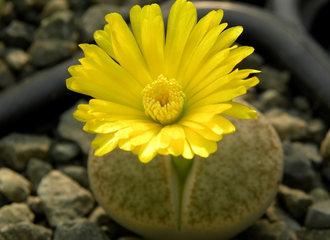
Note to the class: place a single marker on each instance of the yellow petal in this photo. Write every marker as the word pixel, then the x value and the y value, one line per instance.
pixel 103 39
pixel 104 143
pixel 181 20
pixel 147 151
pixel 126 49
pixel 199 144
pixel 241 111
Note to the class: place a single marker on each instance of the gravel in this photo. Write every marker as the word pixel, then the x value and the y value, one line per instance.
pixel 44 191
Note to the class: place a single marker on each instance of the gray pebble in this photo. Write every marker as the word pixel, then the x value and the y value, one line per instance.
pixel 318 215
pixel 14 186
pixel 287 126
pixel 17 59
pixel 99 217
pixel 61 25
pixel 319 194
pixel 25 231
pixel 80 229
pixel 314 234
pixel 71 129
pixel 53 6
pixel 325 146
pixel 63 198
pixel 316 129
pixel 301 103
pixel 48 52
pixel 295 201
pixel 265 230
pixel 18 34
pixel 77 173
pixel 16 149
pixel 311 152
pixel 35 205
pixel 7 78
pixel 271 78
pixel 272 98
pixel 14 213
pixel 298 172
pixel 276 213
pixel 62 152
pixel 93 19
pixel 36 170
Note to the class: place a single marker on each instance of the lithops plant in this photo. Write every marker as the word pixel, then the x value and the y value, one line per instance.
pixel 222 195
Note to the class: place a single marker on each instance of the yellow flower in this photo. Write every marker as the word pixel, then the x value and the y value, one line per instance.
pixel 162 95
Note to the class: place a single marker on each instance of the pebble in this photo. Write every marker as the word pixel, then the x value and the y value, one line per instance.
pixel 325 146
pixel 272 98
pixel 14 213
pixel 319 194
pixel 99 217
pixel 301 103
pixel 318 215
pixel 14 186
pixel 35 205
pixel 17 59
pixel 311 152
pixel 53 6
pixel 61 25
pixel 314 234
pixel 276 213
pixel 271 78
pixel 18 34
pixel 63 152
pixel 93 19
pixel 7 78
pixel 298 171
pixel 36 170
pixel 265 230
pixel 295 201
pixel 25 231
pixel 316 129
pixel 48 52
pixel 286 125
pixel 8 12
pixel 71 129
pixel 77 173
pixel 63 198
pixel 17 148
pixel 80 229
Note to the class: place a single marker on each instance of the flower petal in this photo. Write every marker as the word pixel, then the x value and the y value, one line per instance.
pixel 240 111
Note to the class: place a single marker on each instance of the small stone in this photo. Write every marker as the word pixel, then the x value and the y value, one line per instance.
pixel 17 59
pixel 319 194
pixel 301 103
pixel 14 213
pixel 298 171
pixel 53 6
pixel 62 152
pixel 295 201
pixel 18 34
pixel 35 205
pixel 275 213
pixel 14 186
pixel 6 76
pixel 63 198
pixel 17 148
pixel 316 129
pixel 36 170
pixel 272 98
pixel 8 12
pixel 71 129
pixel 271 78
pixel 314 234
pixel 25 231
pixel 77 173
pixel 99 217
pixel 264 230
pixel 48 52
pixel 80 229
pixel 318 215
pixel 311 152
pixel 287 126
pixel 61 25
pixel 325 146
pixel 93 19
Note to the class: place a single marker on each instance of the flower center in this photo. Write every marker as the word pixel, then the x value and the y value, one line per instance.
pixel 163 100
